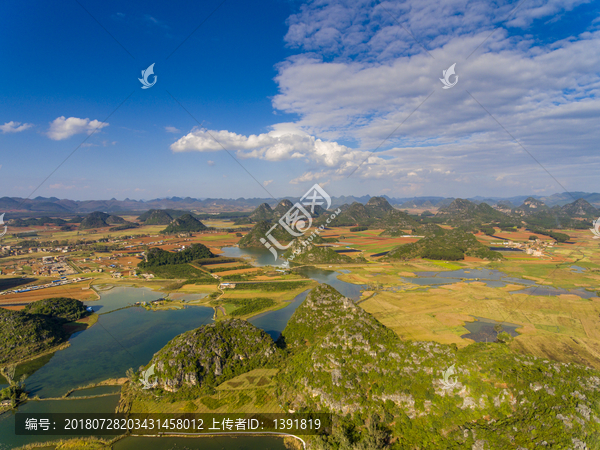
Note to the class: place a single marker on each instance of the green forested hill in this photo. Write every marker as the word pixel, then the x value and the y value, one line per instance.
pixel 64 308
pixel 212 354
pixel 94 220
pixel 258 231
pixel 186 223
pixel 377 213
pixel 389 393
pixel 466 213
pixel 159 257
pixel 262 212
pixel 155 217
pixel 22 335
pixel 449 245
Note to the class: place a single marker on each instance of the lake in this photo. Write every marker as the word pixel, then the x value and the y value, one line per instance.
pixel 9 440
pixel 118 297
pixel 482 329
pixel 258 257
pixel 119 340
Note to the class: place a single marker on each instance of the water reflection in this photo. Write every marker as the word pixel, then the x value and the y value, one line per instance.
pixel 274 322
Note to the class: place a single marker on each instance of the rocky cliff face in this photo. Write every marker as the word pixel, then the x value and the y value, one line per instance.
pixel 212 354
pixel 345 361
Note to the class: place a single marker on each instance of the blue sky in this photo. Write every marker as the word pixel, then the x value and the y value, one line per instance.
pixel 298 93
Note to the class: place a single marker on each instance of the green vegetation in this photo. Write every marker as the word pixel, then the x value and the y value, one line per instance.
pixel 311 254
pixel 69 309
pixel 248 305
pixel 126 226
pixel 99 219
pixel 440 244
pixel 159 257
pixel 355 229
pixel 225 269
pixel 23 335
pixel 155 217
pixel 465 213
pixel 388 393
pixel 377 213
pixel 258 232
pixel 273 286
pixel 538 215
pixel 15 391
pixel 212 354
pixel 186 223
pixel 558 237
pixel 179 271
pixel 487 230
pixel 21 223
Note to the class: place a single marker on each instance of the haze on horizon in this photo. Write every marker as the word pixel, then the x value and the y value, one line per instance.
pixel 299 93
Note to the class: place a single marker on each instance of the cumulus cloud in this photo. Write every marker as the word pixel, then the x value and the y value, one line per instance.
pixel 172 130
pixel 63 128
pixel 284 142
pixel 14 127
pixel 267 182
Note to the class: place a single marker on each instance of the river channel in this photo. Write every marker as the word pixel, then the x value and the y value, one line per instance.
pixel 127 336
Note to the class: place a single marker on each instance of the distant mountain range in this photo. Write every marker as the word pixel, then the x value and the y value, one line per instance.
pixel 19 207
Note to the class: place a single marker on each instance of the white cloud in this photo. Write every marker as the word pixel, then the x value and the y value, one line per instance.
pixel 361 78
pixel 284 142
pixel 172 130
pixel 63 128
pixel 267 182
pixel 210 163
pixel 14 127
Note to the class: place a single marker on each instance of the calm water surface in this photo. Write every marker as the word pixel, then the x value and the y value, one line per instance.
pixel 274 322
pixel 9 440
pixel 482 330
pixel 118 297
pixel 214 443
pixel 259 257
pixel 120 340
